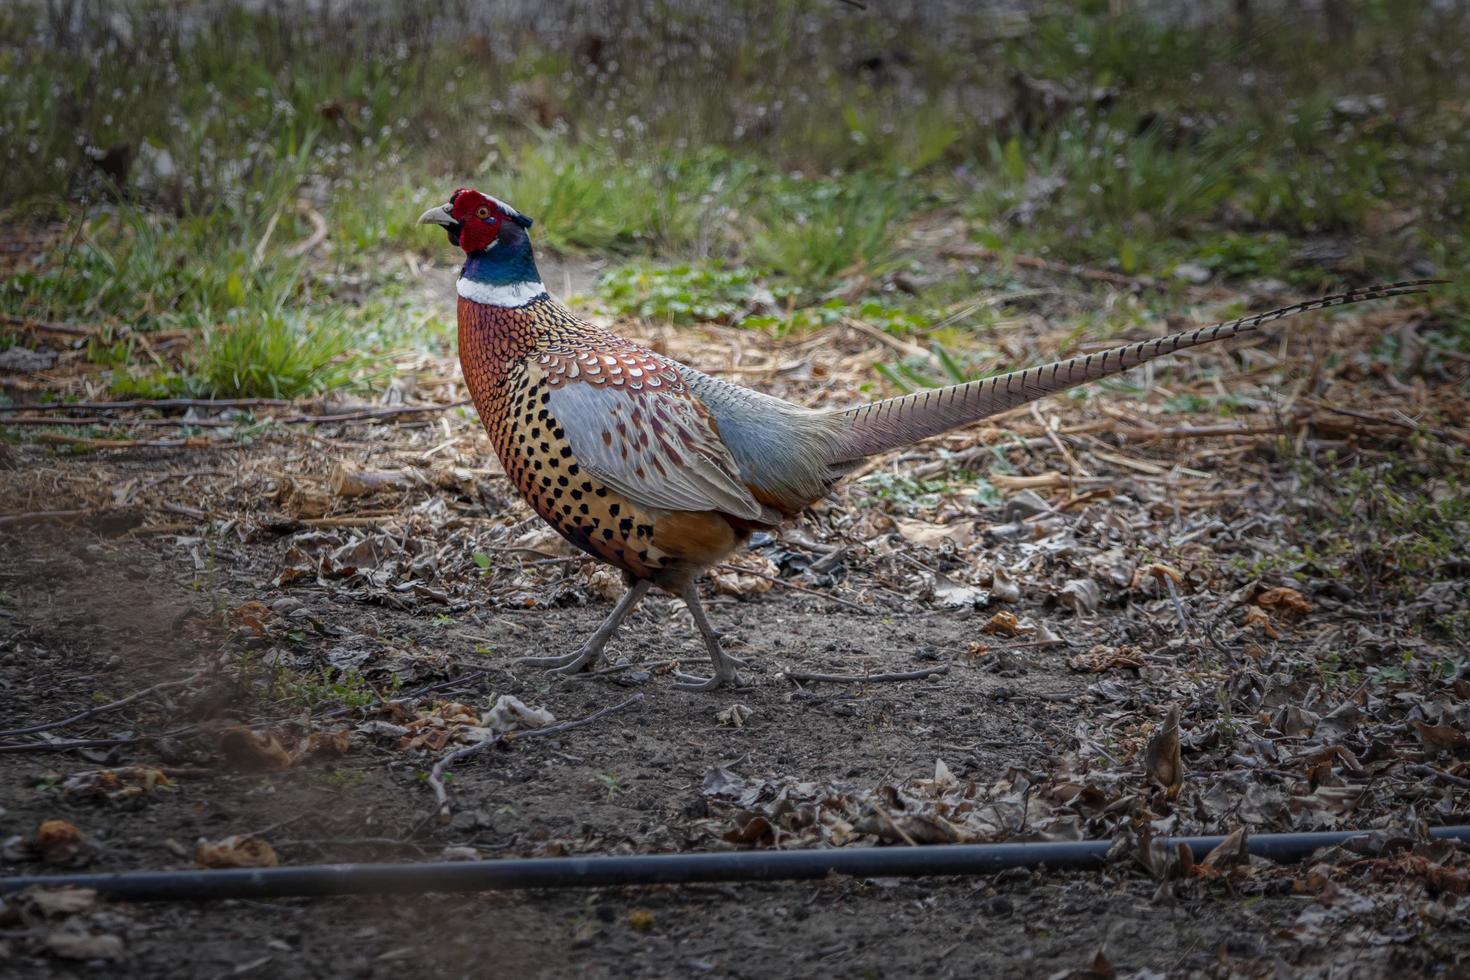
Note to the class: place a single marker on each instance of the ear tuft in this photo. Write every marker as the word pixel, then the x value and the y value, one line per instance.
pixel 521 219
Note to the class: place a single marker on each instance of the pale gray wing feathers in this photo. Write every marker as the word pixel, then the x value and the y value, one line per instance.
pixel 655 448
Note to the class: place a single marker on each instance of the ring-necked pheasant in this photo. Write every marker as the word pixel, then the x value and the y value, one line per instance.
pixel 661 471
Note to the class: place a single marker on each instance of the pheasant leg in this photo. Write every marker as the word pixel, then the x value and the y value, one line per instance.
pixel 724 663
pixel 591 649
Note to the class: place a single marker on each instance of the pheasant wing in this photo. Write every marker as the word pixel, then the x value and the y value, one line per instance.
pixel 659 448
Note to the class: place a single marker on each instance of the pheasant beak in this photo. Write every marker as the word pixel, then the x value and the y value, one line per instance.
pixel 442 216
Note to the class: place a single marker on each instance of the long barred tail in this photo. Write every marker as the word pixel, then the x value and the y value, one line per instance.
pixel 880 426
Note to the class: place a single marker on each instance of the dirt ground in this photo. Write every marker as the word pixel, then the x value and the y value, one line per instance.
pixel 1114 577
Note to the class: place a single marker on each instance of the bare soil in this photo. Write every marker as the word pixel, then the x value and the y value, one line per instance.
pixel 239 563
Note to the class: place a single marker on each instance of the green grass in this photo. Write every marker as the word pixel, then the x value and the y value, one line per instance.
pixel 1182 143
pixel 679 294
pixel 811 233
pixel 280 354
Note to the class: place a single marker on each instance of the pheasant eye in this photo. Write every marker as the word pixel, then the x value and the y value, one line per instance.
pixel 483 212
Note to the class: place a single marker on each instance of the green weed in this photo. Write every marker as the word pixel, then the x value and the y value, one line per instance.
pixel 679 294
pixel 280 354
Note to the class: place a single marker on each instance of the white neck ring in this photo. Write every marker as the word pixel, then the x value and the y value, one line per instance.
pixel 503 295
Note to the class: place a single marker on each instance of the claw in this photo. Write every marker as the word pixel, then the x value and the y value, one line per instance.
pixel 693 682
pixel 570 663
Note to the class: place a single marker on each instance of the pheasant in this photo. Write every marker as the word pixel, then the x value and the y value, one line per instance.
pixel 660 470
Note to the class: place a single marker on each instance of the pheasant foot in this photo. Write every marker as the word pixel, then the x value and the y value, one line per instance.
pixel 724 675
pixel 588 653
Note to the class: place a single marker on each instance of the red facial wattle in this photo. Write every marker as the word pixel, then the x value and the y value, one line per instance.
pixel 479 220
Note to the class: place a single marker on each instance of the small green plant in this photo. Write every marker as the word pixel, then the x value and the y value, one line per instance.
pixel 280 354
pixel 679 294
pixel 814 232
pixel 1194 404
pixel 347 688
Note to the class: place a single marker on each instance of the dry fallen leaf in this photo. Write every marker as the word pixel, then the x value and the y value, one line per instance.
pixel 936 536
pixel 733 716
pixel 1284 600
pixel 1442 738
pixel 244 749
pixel 1231 851
pixel 641 920
pixel 84 946
pixel 236 851
pixel 734 576
pixel 604 582
pixel 1161 759
pixel 250 617
pixel 510 714
pixel 1257 617
pixel 121 783
pixel 1155 571
pixel 1004 588
pixel 60 842
pixel 62 901
pixel 1081 595
pixel 1103 657
pixel 1003 623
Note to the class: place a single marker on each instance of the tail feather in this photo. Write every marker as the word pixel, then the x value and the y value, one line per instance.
pixel 881 426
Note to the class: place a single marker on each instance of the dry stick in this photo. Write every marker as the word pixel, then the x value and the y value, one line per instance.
pixel 1447 434
pixel 317 236
pixel 1178 604
pixel 894 824
pixel 437 783
pixel 70 329
pixel 42 517
pixel 85 420
pixel 912 675
pixel 192 442
pixel 738 570
pixel 364 415
pixel 1429 772
pixel 100 709
pixel 370 413
pixel 1137 283
pixel 159 403
pixel 86 743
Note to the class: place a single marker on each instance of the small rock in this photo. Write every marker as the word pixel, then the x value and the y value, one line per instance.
pixel 1192 272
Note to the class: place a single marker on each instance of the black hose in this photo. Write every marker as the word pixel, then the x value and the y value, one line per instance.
pixel 646 869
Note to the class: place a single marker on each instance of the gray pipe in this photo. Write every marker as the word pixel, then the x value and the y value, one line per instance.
pixel 647 869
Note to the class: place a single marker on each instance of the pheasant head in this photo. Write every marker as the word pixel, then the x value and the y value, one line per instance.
pixel 500 269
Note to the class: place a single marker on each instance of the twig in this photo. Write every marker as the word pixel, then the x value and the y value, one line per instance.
pixel 739 570
pixel 91 420
pixel 894 824
pixel 318 231
pixel 1134 283
pixel 158 403
pixel 912 675
pixel 100 709
pixel 44 326
pixel 42 517
pixel 83 743
pixel 192 442
pixel 1178 604
pixel 1429 772
pixel 369 413
pixel 1446 434
pixel 436 781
